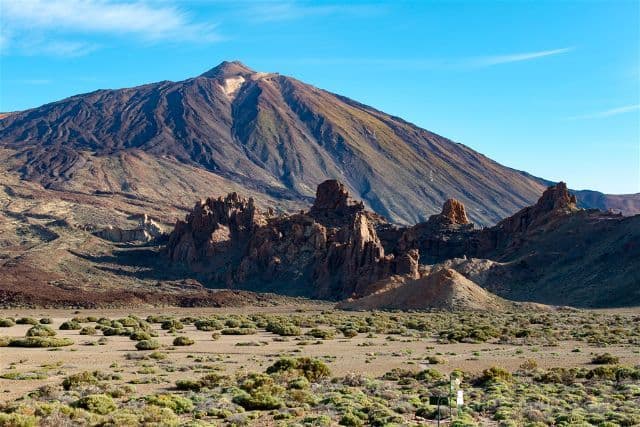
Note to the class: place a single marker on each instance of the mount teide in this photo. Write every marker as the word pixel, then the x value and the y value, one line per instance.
pixel 262 134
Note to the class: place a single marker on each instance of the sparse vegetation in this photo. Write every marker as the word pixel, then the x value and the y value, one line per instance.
pixel 244 385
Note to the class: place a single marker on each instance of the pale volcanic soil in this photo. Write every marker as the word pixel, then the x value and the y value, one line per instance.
pixel 368 355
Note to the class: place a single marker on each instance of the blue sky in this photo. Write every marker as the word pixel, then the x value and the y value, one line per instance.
pixel 552 88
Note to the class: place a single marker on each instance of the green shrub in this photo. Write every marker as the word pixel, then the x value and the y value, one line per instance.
pixel 208 324
pixel 46 321
pixel 140 335
pixel 349 333
pixel 312 369
pixel 40 342
pixel 324 334
pixel 17 420
pixel 172 324
pixel 605 359
pixel 258 401
pixel 351 420
pixel 238 331
pixel 283 329
pixel 88 330
pixel 82 378
pixel 26 321
pixel 98 403
pixel 41 331
pixel 70 325
pixel 6 323
pixel 183 341
pixel 177 404
pixel 188 385
pixel 147 345
pixel 494 374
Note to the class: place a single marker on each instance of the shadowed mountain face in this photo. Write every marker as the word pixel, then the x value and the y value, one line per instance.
pixel 258 133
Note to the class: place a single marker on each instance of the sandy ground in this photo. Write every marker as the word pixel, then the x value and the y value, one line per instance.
pixel 369 356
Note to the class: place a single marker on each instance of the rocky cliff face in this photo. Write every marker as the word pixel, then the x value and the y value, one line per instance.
pixel 331 251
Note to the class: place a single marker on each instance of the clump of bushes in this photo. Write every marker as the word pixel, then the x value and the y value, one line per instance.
pixel 323 334
pixel 70 325
pixel 40 342
pixel 26 321
pixel 82 378
pixel 46 321
pixel 312 369
pixel 183 341
pixel 494 374
pixel 283 328
pixel 97 403
pixel 238 331
pixel 605 359
pixel 177 404
pixel 88 330
pixel 208 324
pixel 147 345
pixel 140 335
pixel 7 323
pixel 172 324
pixel 208 381
pixel 41 331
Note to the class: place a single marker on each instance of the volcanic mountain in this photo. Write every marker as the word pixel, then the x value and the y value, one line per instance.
pixel 261 134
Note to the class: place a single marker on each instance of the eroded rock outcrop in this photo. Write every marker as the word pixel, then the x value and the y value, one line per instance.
pixel 146 231
pixel 331 251
pixel 448 234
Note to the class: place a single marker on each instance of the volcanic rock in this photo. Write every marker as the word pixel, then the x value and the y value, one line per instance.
pixel 443 289
pixel 332 251
pixel 146 231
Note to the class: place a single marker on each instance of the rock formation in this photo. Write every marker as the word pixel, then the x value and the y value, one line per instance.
pixel 332 251
pixel 443 289
pixel 338 250
pixel 146 231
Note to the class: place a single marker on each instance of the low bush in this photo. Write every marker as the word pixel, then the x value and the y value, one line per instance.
pixel 605 359
pixel 40 342
pixel 177 404
pixel 46 321
pixel 139 335
pixel 284 329
pixel 172 324
pixel 258 401
pixel 97 403
pixel 70 325
pixel 41 331
pixel 324 334
pixel 238 331
pixel 183 341
pixel 88 330
pixel 312 369
pixel 6 323
pixel 26 321
pixel 147 345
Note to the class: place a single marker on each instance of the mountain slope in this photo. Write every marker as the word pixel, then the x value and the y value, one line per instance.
pixel 266 134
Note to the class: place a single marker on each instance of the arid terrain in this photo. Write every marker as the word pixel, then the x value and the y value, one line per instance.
pixel 312 365
pixel 241 248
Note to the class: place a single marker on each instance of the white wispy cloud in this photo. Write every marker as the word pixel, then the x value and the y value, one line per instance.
pixel 465 63
pixel 487 61
pixel 57 26
pixel 267 11
pixel 607 113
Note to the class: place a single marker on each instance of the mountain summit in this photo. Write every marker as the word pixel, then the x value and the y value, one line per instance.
pixel 264 134
pixel 228 69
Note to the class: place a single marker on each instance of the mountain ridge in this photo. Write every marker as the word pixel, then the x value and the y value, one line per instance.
pixel 270 134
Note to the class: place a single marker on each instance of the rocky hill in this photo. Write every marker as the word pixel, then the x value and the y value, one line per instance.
pixel 444 289
pixel 261 134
